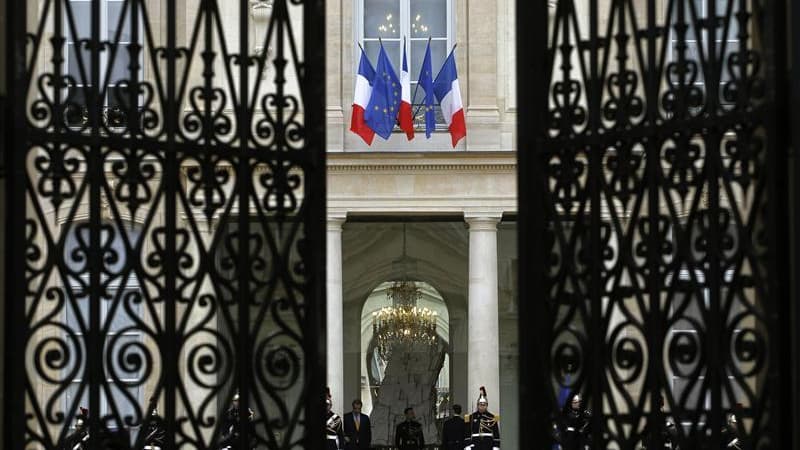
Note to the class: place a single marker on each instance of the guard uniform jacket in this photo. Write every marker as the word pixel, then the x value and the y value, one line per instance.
pixel 484 432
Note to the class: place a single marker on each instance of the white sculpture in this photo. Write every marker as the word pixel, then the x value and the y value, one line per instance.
pixel 261 13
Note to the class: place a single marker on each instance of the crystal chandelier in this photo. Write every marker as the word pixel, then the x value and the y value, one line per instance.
pixel 404 323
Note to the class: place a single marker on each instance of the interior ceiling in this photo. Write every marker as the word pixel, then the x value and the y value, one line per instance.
pixel 440 248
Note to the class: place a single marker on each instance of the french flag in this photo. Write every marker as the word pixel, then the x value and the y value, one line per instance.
pixel 361 98
pixel 447 92
pixel 404 116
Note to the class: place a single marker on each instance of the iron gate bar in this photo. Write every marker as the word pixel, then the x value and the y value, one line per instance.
pixel 573 134
pixel 784 258
pixel 154 134
pixel 792 316
pixel 15 223
pixel 532 93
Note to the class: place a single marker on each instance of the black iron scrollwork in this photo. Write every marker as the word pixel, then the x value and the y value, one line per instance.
pixel 168 198
pixel 654 177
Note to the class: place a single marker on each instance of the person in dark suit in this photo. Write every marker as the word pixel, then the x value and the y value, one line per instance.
pixel 454 431
pixel 357 428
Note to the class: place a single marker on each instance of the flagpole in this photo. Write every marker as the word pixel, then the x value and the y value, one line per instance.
pixel 448 55
pixel 415 89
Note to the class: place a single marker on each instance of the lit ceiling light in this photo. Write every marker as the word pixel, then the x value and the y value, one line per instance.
pixel 404 323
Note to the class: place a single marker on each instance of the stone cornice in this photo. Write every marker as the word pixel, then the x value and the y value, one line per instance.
pixel 505 162
pixel 422 168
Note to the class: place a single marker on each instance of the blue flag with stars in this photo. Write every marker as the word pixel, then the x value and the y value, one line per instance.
pixel 426 83
pixel 384 103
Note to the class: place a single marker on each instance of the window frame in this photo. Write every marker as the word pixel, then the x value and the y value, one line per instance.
pixel 131 284
pixel 684 275
pixel 691 40
pixel 405 30
pixel 109 85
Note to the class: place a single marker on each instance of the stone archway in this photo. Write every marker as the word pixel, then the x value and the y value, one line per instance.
pixel 417 377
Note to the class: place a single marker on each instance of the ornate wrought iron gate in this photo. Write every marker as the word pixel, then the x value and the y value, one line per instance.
pixel 652 205
pixel 167 175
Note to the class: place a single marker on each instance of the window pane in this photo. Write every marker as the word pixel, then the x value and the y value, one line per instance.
pixel 114 12
pixel 82 312
pixel 122 60
pixel 69 397
pixel 730 47
pixel 124 405
pixel 75 113
pixel 82 14
pixel 381 18
pixel 428 18
pixel 126 356
pixel 419 98
pixel 122 319
pixel 392 49
pixel 73 67
pixel 733 24
pixel 691 54
pixel 680 386
pixel 438 54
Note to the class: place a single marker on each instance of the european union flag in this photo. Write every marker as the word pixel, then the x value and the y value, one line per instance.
pixel 384 103
pixel 426 83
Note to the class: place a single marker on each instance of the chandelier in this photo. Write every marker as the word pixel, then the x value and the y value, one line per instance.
pixel 404 323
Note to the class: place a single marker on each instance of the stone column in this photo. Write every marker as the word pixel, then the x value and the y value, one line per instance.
pixel 483 361
pixel 335 310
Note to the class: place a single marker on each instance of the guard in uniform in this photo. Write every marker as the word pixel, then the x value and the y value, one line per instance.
pixel 731 438
pixel 666 434
pixel 231 426
pixel 454 430
pixel 78 438
pixel 484 432
pixel 154 432
pixel 408 434
pixel 333 426
pixel 573 425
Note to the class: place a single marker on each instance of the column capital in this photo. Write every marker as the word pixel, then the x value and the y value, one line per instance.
pixel 483 220
pixel 336 219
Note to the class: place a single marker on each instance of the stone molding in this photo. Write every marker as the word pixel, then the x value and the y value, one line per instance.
pixel 335 220
pixel 503 162
pixel 511 167
pixel 483 220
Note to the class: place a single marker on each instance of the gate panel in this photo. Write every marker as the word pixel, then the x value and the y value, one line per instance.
pixel 651 191
pixel 167 174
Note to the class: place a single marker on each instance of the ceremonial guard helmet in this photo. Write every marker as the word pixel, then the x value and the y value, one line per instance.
pixel 328 400
pixel 82 417
pixel 482 398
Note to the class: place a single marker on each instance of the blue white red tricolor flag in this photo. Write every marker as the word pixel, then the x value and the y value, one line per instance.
pixel 445 86
pixel 404 117
pixel 361 97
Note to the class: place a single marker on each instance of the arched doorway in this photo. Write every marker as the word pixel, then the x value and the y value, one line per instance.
pixel 412 378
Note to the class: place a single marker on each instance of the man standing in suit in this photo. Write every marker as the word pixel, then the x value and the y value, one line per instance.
pixel 454 431
pixel 357 429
